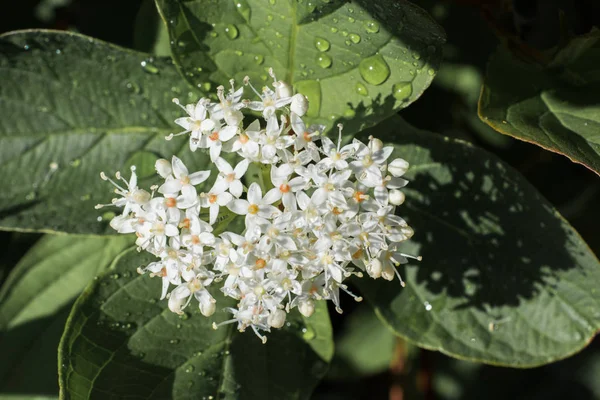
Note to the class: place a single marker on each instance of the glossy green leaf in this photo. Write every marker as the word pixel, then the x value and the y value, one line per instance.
pixel 34 305
pixel 120 342
pixel 357 61
pixel 555 107
pixel 504 278
pixel 365 346
pixel 71 107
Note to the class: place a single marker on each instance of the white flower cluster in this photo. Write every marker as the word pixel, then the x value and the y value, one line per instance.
pixel 325 211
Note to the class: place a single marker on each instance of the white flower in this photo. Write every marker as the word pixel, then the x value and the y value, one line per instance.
pixel 229 178
pixel 229 106
pixel 329 213
pixel 255 208
pixel 181 180
pixel 214 140
pixel 196 123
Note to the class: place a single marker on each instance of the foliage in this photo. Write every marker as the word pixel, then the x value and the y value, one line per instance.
pixel 504 278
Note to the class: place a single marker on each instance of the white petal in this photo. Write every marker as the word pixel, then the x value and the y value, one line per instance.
pixel 241 168
pixel 236 188
pixel 215 150
pixel 224 198
pixel 179 168
pixel 239 207
pixel 223 166
pixel 198 177
pixel 227 133
pixel 272 196
pixel 254 193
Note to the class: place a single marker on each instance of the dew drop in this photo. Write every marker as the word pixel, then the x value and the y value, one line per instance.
pixel 239 53
pixel 308 333
pixel 334 29
pixel 149 67
pixel 361 89
pixel 312 90
pixel 321 44
pixel 269 18
pixel 355 38
pixel 371 27
pixel 431 71
pixel 259 59
pixel 174 341
pixel 428 306
pixel 374 69
pixel 58 52
pixel 231 31
pixel 115 276
pixel 324 61
pixel 243 8
pixel 76 163
pixel 351 20
pixel 108 215
pixel 189 369
pixel 272 2
pixel 213 34
pixel 349 113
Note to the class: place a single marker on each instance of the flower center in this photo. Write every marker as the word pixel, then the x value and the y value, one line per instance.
pixel 359 196
pixel 185 180
pixel 185 223
pixel 212 198
pixel 244 138
pixel 284 188
pixel 260 263
pixel 170 202
pixel 195 239
pixel 253 209
pixel 214 136
pixel 230 177
pixel 306 136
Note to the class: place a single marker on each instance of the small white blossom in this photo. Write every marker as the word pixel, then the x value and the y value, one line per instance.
pixel 328 212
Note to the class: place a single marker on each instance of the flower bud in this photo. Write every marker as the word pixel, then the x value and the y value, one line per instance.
pixel 307 308
pixel 233 117
pixel 282 89
pixel 163 167
pixel 388 273
pixel 374 268
pixel 176 303
pixel 398 167
pixel 277 318
pixel 375 144
pixel 140 196
pixel 299 104
pixel 396 197
pixel 207 308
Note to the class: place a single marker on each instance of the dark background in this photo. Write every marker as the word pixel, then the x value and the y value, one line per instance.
pixel 474 28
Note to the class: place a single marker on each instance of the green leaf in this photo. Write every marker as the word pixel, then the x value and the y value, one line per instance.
pixel 365 346
pixel 356 61
pixel 119 342
pixel 34 305
pixel 554 107
pixel 150 34
pixel 71 107
pixel 504 278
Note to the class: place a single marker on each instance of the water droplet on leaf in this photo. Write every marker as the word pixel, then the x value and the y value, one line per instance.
pixel 321 44
pixel 324 61
pixel 355 38
pixel 371 27
pixel 374 70
pixel 361 89
pixel 231 31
